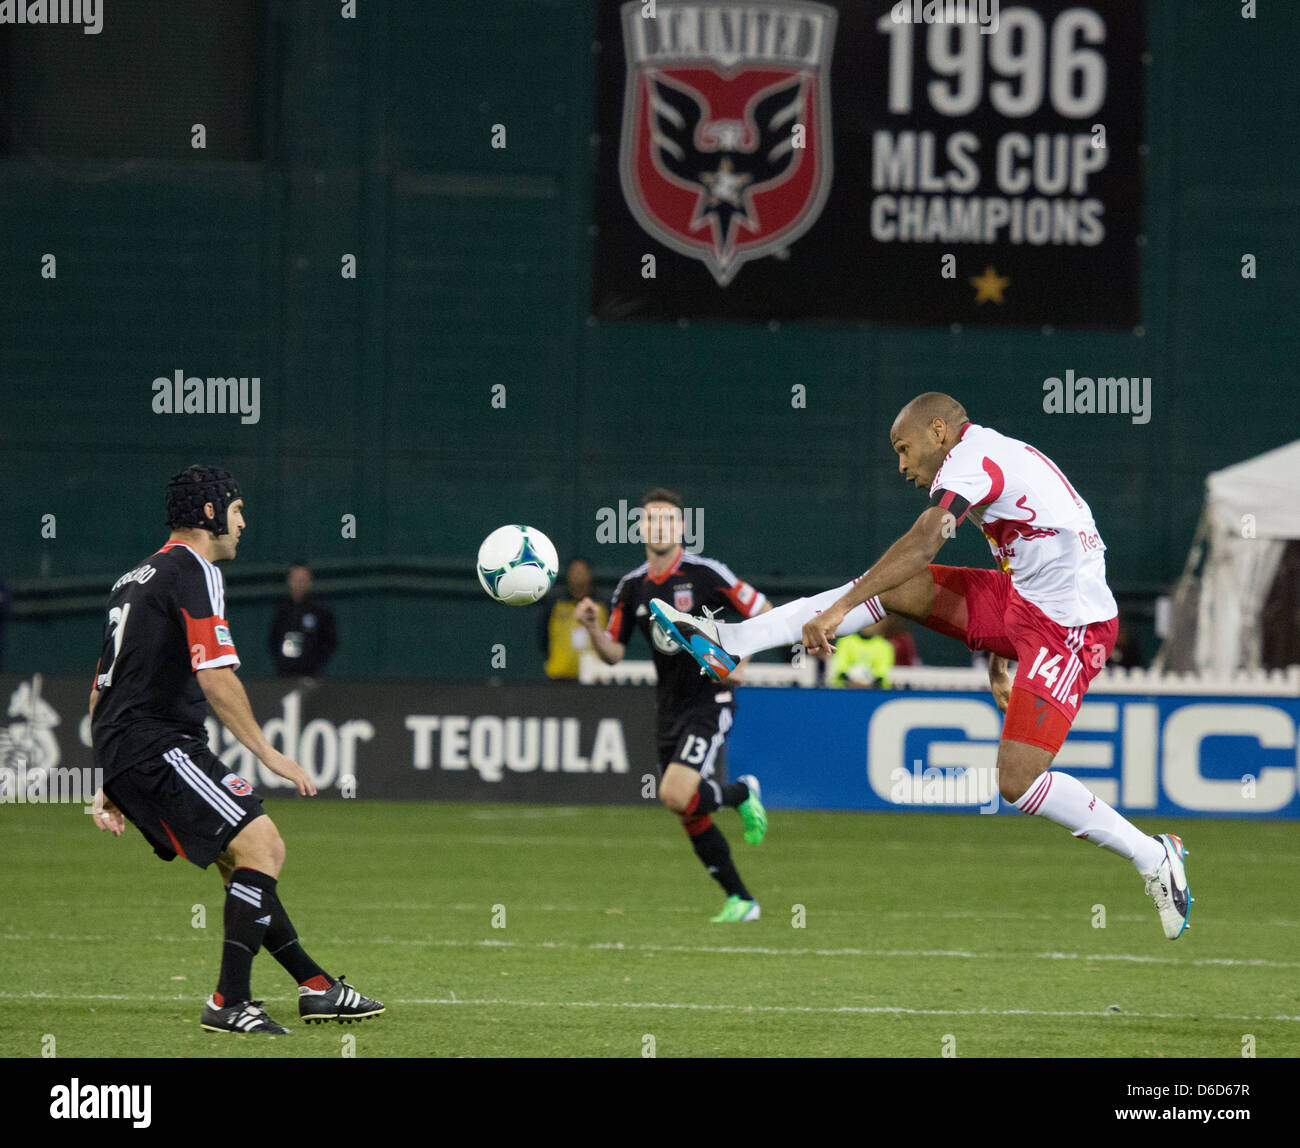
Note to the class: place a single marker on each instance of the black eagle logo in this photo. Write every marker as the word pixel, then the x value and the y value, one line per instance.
pixel 712 154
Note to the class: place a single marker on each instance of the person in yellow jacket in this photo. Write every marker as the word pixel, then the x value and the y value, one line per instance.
pixel 562 639
pixel 863 660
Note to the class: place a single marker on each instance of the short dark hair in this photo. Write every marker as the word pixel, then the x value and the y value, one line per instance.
pixel 662 494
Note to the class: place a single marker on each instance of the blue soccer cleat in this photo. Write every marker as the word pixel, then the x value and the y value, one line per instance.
pixel 697 636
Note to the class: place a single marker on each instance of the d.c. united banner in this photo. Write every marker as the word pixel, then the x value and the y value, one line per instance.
pixel 946 161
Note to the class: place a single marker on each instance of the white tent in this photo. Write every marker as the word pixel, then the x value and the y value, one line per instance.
pixel 1251 510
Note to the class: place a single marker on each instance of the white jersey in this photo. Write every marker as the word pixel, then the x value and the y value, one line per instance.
pixel 1040 529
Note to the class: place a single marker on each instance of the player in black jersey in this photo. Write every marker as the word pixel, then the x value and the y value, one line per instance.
pixel 694 712
pixel 167 655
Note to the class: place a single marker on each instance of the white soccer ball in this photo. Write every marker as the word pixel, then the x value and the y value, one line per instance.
pixel 517 564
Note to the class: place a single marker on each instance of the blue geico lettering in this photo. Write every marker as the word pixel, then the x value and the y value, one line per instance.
pixel 1162 753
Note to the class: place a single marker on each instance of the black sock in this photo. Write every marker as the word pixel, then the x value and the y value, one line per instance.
pixel 711 795
pixel 715 854
pixel 281 941
pixel 735 793
pixel 250 898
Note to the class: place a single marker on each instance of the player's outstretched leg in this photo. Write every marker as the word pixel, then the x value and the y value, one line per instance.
pixel 718 646
pixel 1027 782
pixel 694 798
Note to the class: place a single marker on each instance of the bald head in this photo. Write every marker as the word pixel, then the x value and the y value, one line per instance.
pixel 923 434
pixel 924 409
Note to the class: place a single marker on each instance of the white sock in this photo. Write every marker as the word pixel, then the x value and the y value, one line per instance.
pixel 783 625
pixel 1067 801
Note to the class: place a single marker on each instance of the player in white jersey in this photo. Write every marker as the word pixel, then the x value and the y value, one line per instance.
pixel 1048 608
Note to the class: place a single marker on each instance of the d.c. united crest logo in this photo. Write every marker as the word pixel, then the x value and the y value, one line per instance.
pixel 726 144
pixel 237 785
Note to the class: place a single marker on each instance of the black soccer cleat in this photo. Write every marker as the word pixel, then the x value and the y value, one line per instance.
pixel 340 1002
pixel 245 1016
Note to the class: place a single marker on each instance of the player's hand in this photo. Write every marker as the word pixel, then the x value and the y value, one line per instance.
pixel 818 633
pixel 106 815
pixel 291 771
pixel 587 614
pixel 1000 682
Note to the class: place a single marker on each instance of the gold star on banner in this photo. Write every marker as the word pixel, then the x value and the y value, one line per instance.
pixel 725 185
pixel 990 285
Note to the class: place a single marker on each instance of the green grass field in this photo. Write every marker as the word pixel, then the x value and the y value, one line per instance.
pixel 917 928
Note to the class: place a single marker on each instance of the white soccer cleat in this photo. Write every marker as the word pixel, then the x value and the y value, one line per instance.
pixel 1167 886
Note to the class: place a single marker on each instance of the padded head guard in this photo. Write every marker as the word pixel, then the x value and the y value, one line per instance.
pixel 188 491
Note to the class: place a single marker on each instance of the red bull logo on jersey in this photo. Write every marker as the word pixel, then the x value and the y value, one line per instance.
pixel 725 153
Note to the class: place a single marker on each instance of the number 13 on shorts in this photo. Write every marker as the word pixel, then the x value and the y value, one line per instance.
pixel 694 750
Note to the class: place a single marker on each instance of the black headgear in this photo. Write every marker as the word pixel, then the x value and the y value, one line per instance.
pixel 188 491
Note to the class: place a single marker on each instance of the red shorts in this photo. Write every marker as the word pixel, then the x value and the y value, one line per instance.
pixel 1056 663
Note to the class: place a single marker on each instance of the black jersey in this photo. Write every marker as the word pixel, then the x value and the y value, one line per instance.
pixel 166 620
pixel 689 584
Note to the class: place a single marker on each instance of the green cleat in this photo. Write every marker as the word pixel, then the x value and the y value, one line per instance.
pixel 736 909
pixel 752 813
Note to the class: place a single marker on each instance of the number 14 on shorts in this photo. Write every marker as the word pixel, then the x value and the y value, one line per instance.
pixel 1047 670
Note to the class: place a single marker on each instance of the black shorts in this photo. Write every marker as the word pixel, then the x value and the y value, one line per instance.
pixel 697 737
pixel 185 801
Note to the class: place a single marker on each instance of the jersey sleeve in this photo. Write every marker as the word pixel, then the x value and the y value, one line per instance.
pixel 622 621
pixel 964 483
pixel 737 592
pixel 201 600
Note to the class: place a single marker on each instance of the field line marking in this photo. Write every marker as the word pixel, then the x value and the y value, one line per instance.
pixel 691 1006
pixel 729 950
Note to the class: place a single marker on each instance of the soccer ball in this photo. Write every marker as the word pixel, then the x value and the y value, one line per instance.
pixel 517 564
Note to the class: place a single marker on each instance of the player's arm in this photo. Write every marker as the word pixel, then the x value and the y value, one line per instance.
pixel 104 813
pixel 905 559
pixel 225 694
pixel 587 614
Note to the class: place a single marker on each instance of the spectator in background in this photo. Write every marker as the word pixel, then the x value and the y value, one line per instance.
pixel 864 660
pixel 563 640
pixel 303 636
